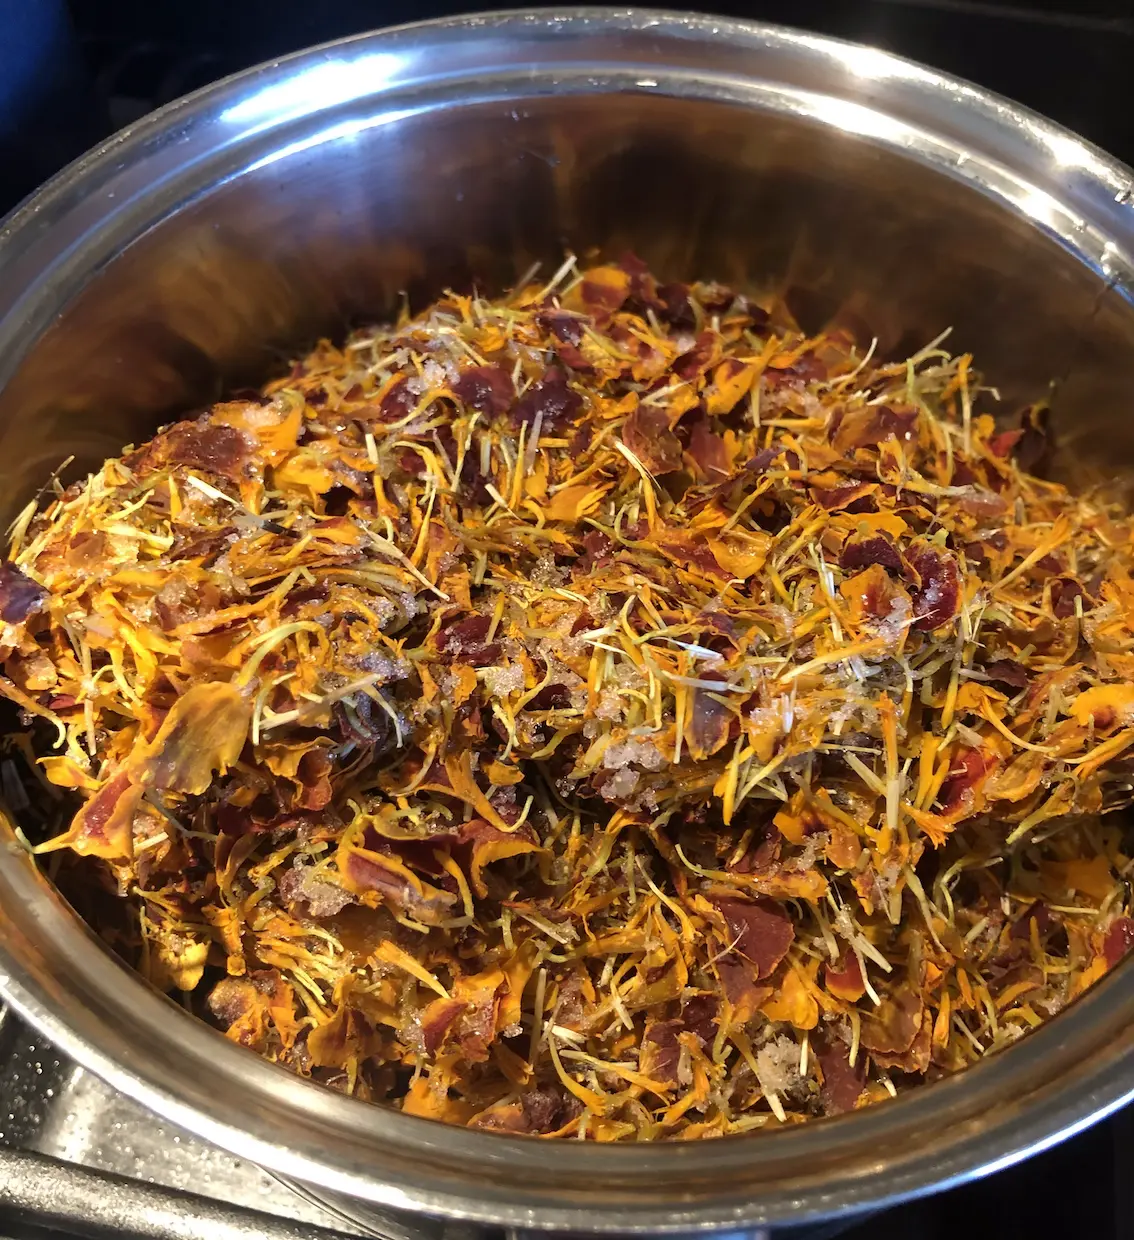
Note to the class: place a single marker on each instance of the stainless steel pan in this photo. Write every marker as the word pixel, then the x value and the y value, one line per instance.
pixel 196 248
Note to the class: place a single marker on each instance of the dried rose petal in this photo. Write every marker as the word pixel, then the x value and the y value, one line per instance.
pixel 551 397
pixel 1007 672
pixel 762 931
pixel 937 599
pixel 842 1084
pixel 875 549
pixel 1118 941
pixel 221 450
pixel 20 597
pixel 646 433
pixel 488 389
pixel 709 451
pixel 710 723
pixel 892 1027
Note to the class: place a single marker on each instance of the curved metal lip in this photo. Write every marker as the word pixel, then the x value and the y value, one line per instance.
pixel 941 1133
pixel 654 1185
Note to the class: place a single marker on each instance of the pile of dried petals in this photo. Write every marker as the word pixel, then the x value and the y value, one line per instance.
pixel 601 711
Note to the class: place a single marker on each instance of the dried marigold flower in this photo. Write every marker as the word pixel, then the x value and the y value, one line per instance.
pixel 592 712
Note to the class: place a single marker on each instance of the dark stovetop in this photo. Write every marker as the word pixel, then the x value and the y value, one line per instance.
pixel 1069 64
pixel 72 70
pixel 71 73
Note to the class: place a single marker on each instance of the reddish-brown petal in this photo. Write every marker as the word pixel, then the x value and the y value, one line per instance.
pixel 1007 672
pixel 700 1016
pixel 242 1010
pixel 411 461
pixel 764 851
pixel 425 855
pixel 463 641
pixel 232 998
pixel 551 697
pixel 488 389
pixel 1035 442
pixel 763 459
pixel 564 326
pixel 1064 592
pixel 20 597
pixel 967 772
pixel 834 499
pixel 365 871
pixel 596 551
pixel 480 995
pixel 221 450
pixel 894 1024
pixel 675 307
pixel 986 506
pixel 1118 941
pixel 488 844
pixel 636 268
pixel 739 982
pixel 842 1084
pixel 761 930
pixel 1039 913
pixel 714 297
pixel 203 547
pixel 874 549
pixel 700 357
pixel 661 1051
pixel 544 1109
pixel 1002 444
pixel 397 403
pixel 687 551
pixel 937 599
pixel 709 452
pixel 551 397
pixel 915 1058
pixel 870 425
pixel 472 630
pixel 805 369
pixel 646 433
pixel 566 331
pixel 709 723
pixel 670 302
pixel 314 778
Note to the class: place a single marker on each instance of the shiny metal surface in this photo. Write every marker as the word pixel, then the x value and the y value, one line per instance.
pixel 43 1191
pixel 199 246
pixel 75 1154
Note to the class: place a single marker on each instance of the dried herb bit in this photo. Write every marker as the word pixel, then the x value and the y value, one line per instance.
pixel 20 597
pixel 593 712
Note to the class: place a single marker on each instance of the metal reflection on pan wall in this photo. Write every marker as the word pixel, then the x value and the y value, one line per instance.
pixel 768 186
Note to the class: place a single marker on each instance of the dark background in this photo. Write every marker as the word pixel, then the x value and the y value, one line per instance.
pixel 73 71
